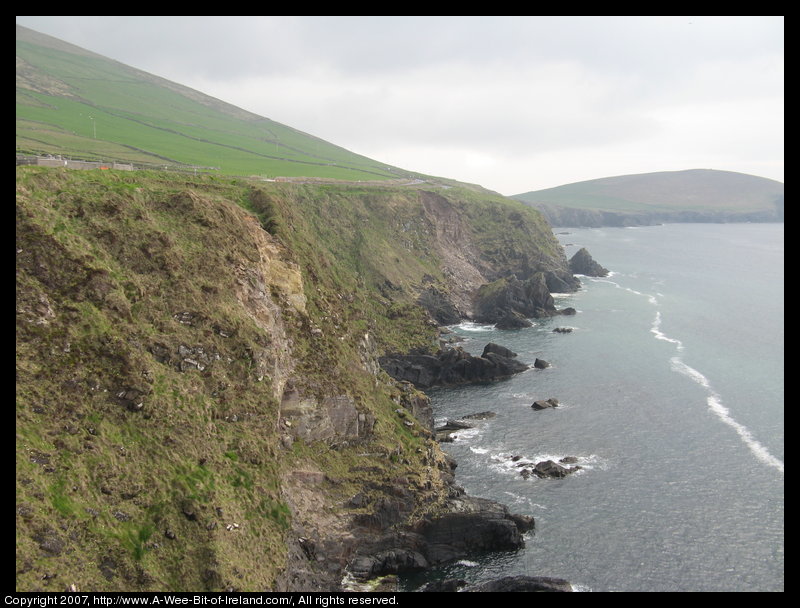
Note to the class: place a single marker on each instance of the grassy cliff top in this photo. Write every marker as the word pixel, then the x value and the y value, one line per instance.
pixel 161 321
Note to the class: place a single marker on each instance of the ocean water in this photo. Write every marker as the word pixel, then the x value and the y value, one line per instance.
pixel 671 391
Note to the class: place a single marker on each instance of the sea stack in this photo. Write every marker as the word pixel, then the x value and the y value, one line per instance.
pixel 583 263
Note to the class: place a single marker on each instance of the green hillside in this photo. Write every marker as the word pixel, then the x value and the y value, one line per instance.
pixel 189 349
pixel 692 190
pixel 76 103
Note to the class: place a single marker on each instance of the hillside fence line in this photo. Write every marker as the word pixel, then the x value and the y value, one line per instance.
pixel 70 163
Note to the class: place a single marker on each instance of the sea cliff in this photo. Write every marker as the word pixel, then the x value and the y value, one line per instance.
pixel 200 402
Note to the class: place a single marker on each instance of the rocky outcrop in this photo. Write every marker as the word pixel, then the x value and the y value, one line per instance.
pixel 444 431
pixel 583 263
pixel 451 367
pixel 439 307
pixel 499 299
pixel 547 469
pixel 543 404
pixel 330 419
pixel 561 281
pixel 468 527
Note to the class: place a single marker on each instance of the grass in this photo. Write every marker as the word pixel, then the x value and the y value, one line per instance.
pixel 130 458
pixel 81 105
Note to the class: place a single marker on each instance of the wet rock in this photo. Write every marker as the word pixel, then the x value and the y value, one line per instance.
pixel 507 296
pixel 545 404
pixel 540 364
pixel 562 330
pixel 499 350
pixel 451 367
pixel 512 320
pixel 583 263
pixel 548 468
pixel 473 525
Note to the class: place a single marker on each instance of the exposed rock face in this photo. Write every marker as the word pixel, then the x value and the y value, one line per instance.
pixel 336 418
pixel 583 263
pixel 439 307
pixel 545 404
pixel 468 527
pixel 512 320
pixel 451 367
pixel 529 298
pixel 561 281
pixel 417 403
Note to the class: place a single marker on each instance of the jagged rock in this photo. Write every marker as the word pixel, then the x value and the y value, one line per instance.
pixel 540 364
pixel 545 404
pixel 525 523
pixel 561 281
pixel 512 320
pixel 583 263
pixel 562 330
pixel 473 525
pixel 567 311
pixel 502 298
pixel 308 419
pixel 470 526
pixel 445 431
pixel 450 367
pixel 499 350
pixel 522 583
pixel 548 468
pixel 416 402
pixel 453 425
pixel 439 306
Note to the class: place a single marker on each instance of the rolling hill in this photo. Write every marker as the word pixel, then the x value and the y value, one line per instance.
pixel 76 103
pixel 695 195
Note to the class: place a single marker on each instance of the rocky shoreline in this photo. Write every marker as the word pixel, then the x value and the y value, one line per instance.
pixel 382 542
pixel 467 526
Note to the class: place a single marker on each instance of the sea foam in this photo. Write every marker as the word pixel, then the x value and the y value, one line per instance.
pixel 714 402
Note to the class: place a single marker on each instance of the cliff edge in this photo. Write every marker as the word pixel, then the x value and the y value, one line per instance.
pixel 199 400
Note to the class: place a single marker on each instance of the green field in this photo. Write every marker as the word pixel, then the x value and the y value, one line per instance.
pixel 75 103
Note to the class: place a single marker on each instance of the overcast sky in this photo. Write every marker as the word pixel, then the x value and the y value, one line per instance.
pixel 512 103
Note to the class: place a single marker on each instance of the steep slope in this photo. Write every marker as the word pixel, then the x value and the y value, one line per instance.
pixel 73 102
pixel 199 404
pixel 697 195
